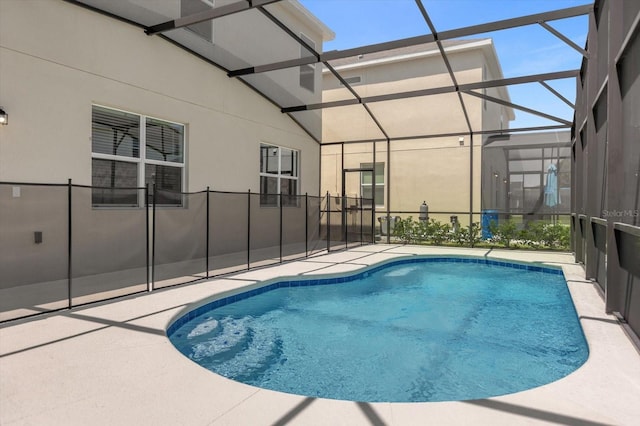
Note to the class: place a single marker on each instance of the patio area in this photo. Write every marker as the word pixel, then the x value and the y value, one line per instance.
pixel 112 363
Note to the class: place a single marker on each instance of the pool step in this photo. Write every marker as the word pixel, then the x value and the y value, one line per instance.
pixel 231 347
pixel 208 326
pixel 262 351
pixel 229 334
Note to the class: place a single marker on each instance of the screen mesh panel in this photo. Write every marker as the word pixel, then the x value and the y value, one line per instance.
pixel 109 248
pixel 180 239
pixel 294 227
pixel 228 223
pixel 265 233
pixel 316 225
pixel 33 275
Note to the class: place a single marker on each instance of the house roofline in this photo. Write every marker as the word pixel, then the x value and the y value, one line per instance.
pixel 485 44
pixel 491 55
pixel 415 55
pixel 295 7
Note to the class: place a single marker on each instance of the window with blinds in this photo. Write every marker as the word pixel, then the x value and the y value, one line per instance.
pixel 278 176
pixel 130 151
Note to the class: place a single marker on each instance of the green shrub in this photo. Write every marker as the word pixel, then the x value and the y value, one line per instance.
pixel 433 231
pixel 422 231
pixel 540 234
pixel 473 234
pixel 537 234
pixel 438 232
pixel 468 236
pixel 504 232
pixel 458 236
pixel 556 236
pixel 405 230
pixel 533 234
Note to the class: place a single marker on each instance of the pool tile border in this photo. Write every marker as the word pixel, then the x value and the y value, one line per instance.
pixel 284 283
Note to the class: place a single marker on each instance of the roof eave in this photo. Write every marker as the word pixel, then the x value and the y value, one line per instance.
pixel 473 44
pixel 303 13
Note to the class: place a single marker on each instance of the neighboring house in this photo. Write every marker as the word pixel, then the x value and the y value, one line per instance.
pixel 434 169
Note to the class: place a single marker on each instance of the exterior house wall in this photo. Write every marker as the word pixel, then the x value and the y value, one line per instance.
pixel 56 61
pixel 495 116
pixel 53 72
pixel 435 170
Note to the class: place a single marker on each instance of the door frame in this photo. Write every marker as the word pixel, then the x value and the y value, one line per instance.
pixel 344 198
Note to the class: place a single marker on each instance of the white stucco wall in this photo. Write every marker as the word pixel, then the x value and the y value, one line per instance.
pixel 57 59
pixel 435 170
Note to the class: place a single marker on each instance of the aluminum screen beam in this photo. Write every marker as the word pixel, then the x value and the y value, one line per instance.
pixel 335 54
pixel 438 90
pixel 289 32
pixel 559 95
pixel 563 38
pixel 216 12
pixel 517 22
pixel 519 107
pixel 455 134
pixel 358 99
pixel 430 38
pixel 447 64
pixel 300 41
pixel 372 99
pixel 557 75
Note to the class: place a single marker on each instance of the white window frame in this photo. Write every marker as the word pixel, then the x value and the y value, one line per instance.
pixel 374 185
pixel 142 161
pixel 279 175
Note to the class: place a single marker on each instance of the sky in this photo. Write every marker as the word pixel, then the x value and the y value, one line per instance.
pixel 521 51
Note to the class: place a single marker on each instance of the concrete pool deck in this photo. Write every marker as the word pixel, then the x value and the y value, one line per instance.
pixel 111 363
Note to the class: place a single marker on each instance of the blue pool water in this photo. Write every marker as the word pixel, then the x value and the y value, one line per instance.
pixel 416 330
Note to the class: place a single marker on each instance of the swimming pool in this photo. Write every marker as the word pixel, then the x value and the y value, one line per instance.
pixel 411 330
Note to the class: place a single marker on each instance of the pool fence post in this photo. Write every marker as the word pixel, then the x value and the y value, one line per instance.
pixel 146 205
pixel 373 220
pixel 306 224
pixel 470 188
pixel 388 187
pixel 207 238
pixel 280 226
pixel 69 243
pixel 249 229
pixel 153 237
pixel 361 218
pixel 373 196
pixel 328 222
pixel 345 222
